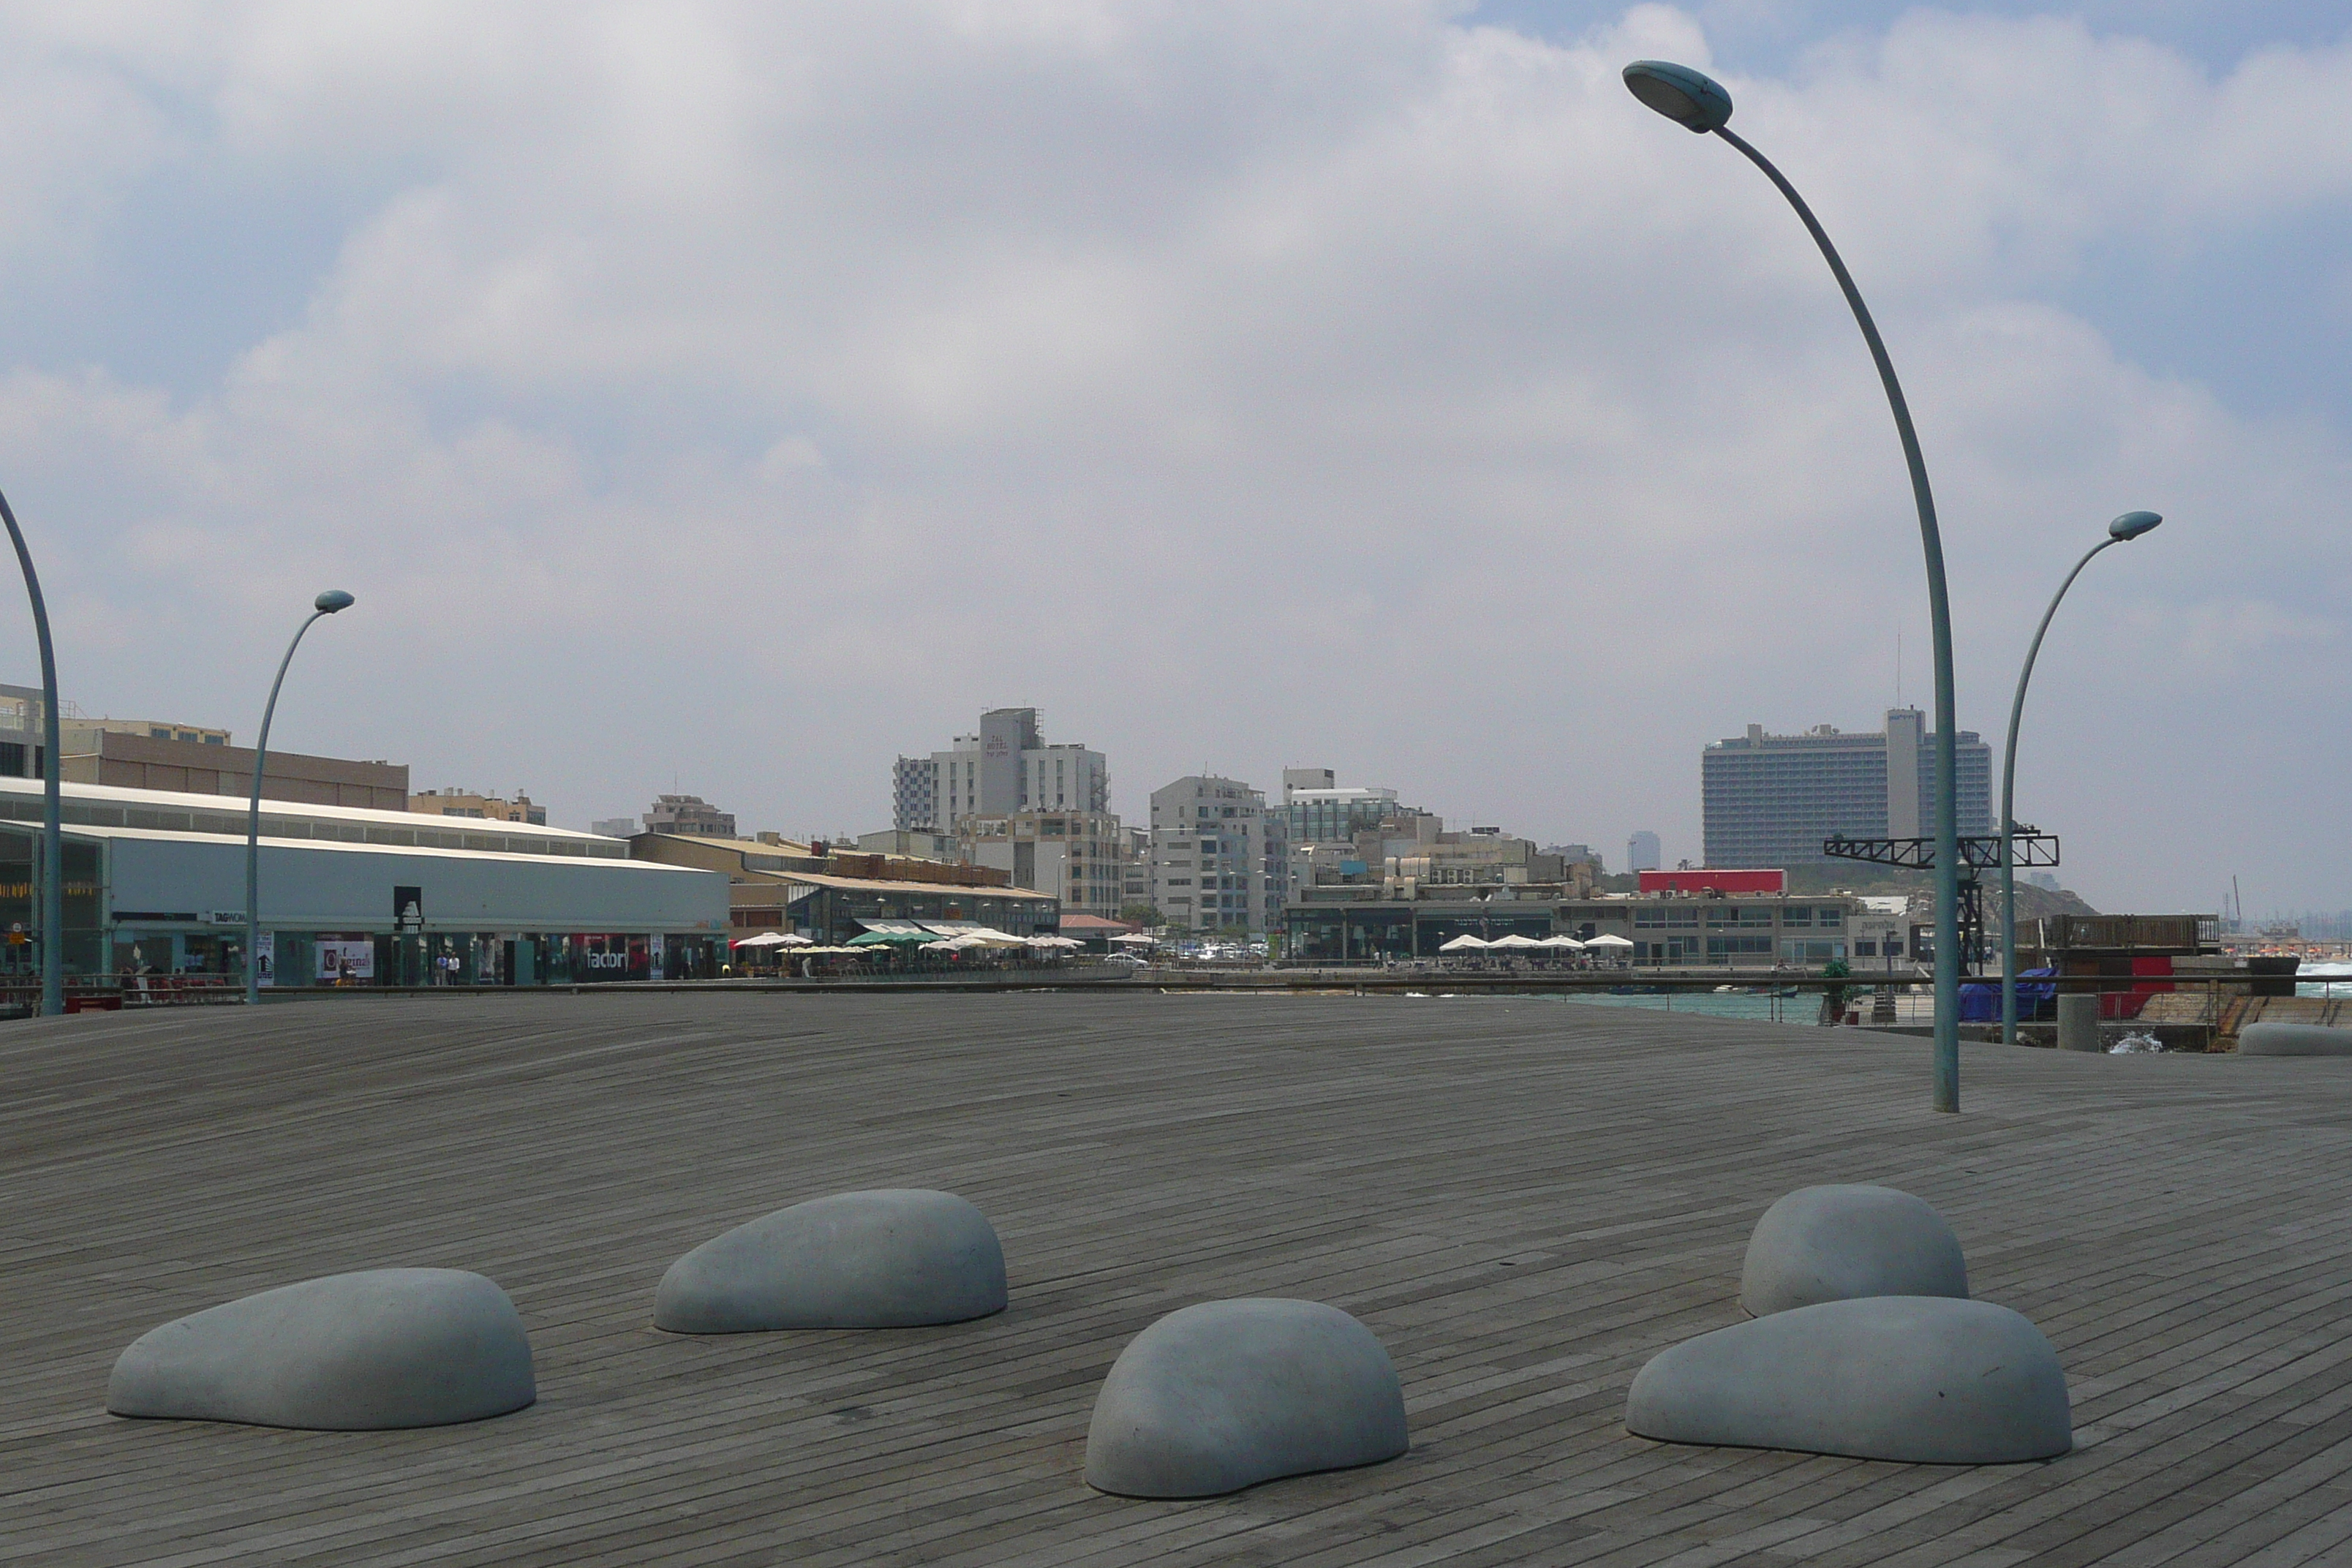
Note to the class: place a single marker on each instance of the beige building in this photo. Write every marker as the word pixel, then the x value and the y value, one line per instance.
pixel 1079 857
pixel 689 814
pixel 911 843
pixel 74 733
pixel 101 756
pixel 455 801
pixel 779 885
pixel 1414 856
pixel 770 855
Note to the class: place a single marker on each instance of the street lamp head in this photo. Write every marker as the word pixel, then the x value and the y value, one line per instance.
pixel 1692 99
pixel 2131 525
pixel 330 601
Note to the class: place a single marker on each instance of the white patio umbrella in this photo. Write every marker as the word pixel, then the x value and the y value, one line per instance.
pixel 1565 943
pixel 794 939
pixel 765 939
pixel 1466 942
pixel 1514 940
pixel 1610 939
pixel 1138 938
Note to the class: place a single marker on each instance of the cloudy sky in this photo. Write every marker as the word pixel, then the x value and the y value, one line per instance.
pixel 736 395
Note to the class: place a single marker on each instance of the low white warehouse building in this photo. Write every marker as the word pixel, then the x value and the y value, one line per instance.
pixel 154 885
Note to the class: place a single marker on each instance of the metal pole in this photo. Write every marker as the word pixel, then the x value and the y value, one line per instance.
pixel 52 856
pixel 2009 805
pixel 1948 830
pixel 253 825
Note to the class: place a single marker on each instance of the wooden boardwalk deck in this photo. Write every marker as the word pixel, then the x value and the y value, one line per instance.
pixel 1524 1198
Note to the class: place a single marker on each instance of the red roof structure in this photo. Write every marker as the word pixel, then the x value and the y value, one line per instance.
pixel 1708 879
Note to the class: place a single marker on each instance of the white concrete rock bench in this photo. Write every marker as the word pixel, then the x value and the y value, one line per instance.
pixel 385 1348
pixel 891 1258
pixel 2293 1040
pixel 1226 1394
pixel 1927 1380
pixel 1834 1242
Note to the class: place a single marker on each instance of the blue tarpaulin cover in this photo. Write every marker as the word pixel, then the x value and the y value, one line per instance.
pixel 1981 1003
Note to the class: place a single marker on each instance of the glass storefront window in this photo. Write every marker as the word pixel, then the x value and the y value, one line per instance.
pixel 85 950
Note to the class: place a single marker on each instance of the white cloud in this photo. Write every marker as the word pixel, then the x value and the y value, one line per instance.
pixel 756 394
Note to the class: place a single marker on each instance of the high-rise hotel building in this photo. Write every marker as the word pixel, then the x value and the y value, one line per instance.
pixel 1770 800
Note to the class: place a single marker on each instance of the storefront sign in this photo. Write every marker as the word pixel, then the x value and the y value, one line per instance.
pixel 265 959
pixel 346 960
pixel 222 917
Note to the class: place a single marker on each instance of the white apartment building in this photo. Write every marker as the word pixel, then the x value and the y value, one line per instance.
pixel 1005 768
pixel 1211 854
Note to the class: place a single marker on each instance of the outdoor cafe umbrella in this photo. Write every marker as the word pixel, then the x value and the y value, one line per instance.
pixel 891 938
pixel 1139 938
pixel 1466 942
pixel 1609 939
pixel 1514 940
pixel 765 939
pixel 1565 943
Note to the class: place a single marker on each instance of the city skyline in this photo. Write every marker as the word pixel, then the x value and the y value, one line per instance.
pixel 1662 849
pixel 972 332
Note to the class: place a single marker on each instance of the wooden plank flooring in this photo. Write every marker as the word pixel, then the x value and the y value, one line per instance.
pixel 1523 1197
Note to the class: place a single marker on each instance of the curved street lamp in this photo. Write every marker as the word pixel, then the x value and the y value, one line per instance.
pixel 331 602
pixel 2129 526
pixel 1699 103
pixel 52 918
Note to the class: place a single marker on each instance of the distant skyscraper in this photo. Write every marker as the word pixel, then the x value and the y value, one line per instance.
pixel 1006 768
pixel 1642 852
pixel 1769 800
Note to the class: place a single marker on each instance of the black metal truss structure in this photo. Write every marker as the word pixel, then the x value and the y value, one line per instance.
pixel 1978 852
